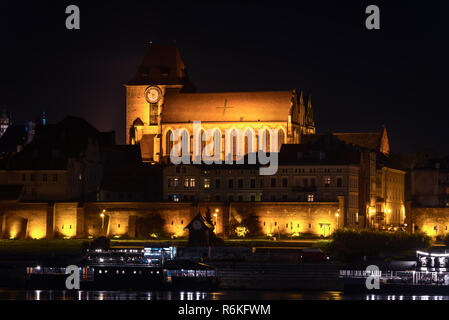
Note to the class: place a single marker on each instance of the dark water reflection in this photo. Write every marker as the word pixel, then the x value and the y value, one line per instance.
pixel 8 294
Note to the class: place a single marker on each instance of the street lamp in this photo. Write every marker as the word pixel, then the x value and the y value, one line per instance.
pixel 216 218
pixel 102 218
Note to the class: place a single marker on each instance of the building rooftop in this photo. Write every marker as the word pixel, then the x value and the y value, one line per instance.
pixel 162 64
pixel 256 106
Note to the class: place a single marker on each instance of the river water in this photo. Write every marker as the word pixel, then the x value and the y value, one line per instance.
pixel 13 294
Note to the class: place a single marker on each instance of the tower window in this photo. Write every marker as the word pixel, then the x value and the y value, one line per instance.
pixel 339 182
pixel 164 71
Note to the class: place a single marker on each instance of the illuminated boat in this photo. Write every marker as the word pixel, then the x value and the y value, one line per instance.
pixel 137 269
pixel 430 276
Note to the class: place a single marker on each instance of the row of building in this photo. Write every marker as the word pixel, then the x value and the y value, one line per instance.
pixel 322 181
pixel 72 161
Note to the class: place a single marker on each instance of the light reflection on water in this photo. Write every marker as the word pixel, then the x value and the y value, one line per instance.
pixel 8 294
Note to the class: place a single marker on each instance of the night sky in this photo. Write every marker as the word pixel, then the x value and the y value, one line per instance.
pixel 359 79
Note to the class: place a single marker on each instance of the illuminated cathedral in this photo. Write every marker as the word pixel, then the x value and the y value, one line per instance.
pixel 160 98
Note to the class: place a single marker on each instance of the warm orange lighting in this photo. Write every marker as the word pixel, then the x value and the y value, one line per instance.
pixel 37 233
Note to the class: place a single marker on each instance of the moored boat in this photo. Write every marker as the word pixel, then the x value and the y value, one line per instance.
pixel 137 269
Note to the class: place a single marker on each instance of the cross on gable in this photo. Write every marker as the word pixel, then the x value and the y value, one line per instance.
pixel 225 106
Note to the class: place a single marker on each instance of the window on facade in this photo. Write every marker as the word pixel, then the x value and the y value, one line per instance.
pixel 175 182
pixel 312 182
pixel 55 177
pixel 186 182
pixel 33 177
pixel 231 183
pixel 184 170
pixel 253 198
pixel 273 182
pixel 310 197
pixel 24 177
pixel 327 181
pixel 305 182
pixel 206 183
pixel 240 198
pixel 192 182
pixel 284 182
pixel 178 169
pixel 240 183
pixel 253 183
pixel 217 183
pixel 339 182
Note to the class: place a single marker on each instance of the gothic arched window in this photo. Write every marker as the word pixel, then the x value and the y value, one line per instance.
pixel 168 142
pixel 281 138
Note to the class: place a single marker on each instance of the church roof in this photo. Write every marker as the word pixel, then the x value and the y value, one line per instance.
pixel 200 218
pixel 162 64
pixel 375 141
pixel 369 140
pixel 227 106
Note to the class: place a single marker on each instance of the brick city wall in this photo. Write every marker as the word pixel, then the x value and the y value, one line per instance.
pixel 433 221
pixel 71 219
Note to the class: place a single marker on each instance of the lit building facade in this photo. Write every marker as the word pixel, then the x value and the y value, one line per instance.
pixel 390 197
pixel 161 99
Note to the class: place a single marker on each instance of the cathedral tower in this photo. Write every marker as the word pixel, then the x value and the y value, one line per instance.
pixel 160 71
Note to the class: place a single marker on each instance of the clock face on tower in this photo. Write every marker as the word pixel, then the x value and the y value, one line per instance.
pixel 196 225
pixel 153 94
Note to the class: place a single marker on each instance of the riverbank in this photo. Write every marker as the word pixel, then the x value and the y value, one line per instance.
pixel 76 245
